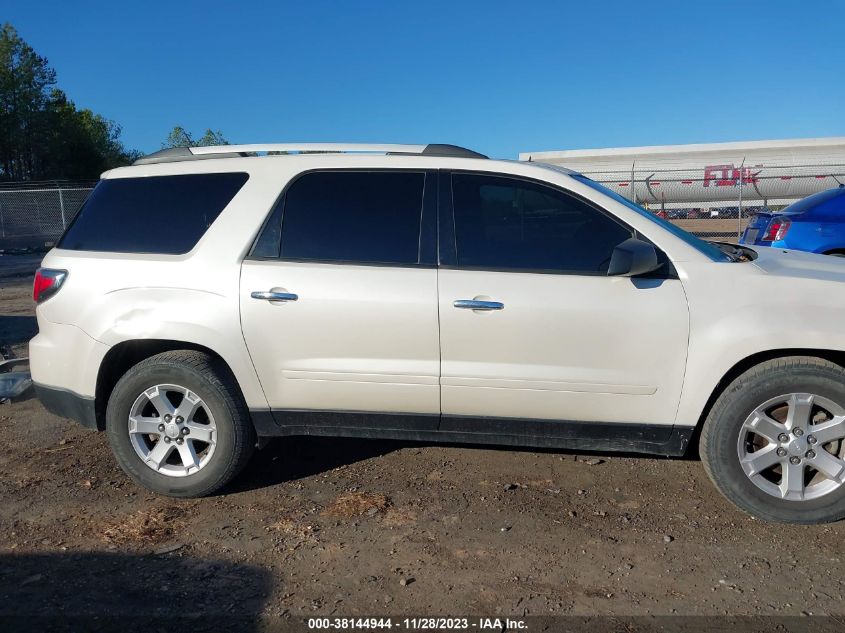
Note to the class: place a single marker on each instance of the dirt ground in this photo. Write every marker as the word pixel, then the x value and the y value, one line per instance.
pixel 347 527
pixel 713 225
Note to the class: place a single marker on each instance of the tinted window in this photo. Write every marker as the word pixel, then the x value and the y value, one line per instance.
pixel 511 224
pixel 160 214
pixel 370 217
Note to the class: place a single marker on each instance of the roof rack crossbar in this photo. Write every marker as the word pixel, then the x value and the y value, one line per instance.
pixel 176 154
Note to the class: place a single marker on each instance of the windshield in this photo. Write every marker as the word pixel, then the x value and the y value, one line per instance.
pixel 712 251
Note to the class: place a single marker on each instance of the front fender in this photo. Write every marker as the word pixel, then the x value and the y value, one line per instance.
pixel 752 314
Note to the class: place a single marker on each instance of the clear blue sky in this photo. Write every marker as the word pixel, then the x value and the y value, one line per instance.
pixel 499 77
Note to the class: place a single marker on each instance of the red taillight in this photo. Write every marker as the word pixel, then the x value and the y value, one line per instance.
pixel 777 229
pixel 47 283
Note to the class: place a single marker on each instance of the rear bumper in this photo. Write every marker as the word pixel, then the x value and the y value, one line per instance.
pixel 67 404
pixel 64 357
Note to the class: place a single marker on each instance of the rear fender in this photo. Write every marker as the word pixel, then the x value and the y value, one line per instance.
pixel 197 317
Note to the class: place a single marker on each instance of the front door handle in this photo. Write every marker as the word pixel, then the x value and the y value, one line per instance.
pixel 473 304
pixel 269 295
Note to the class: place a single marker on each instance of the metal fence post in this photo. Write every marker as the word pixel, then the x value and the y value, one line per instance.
pixel 62 206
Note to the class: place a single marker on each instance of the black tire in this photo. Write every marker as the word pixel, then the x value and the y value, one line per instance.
pixel 212 381
pixel 720 433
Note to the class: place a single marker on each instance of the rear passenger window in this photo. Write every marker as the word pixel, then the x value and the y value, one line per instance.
pixel 159 214
pixel 508 224
pixel 367 217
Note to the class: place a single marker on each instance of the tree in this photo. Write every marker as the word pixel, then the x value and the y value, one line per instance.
pixel 25 78
pixel 180 137
pixel 42 133
pixel 83 142
pixel 212 138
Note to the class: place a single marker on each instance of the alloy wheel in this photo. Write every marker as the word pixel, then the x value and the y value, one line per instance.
pixel 172 430
pixel 791 446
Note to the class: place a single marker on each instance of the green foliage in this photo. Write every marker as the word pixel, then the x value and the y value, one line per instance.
pixel 42 133
pixel 180 137
pixel 212 138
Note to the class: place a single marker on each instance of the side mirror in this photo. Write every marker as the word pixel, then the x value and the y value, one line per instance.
pixel 633 257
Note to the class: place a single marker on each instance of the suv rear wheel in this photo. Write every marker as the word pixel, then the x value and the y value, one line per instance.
pixel 178 425
pixel 774 441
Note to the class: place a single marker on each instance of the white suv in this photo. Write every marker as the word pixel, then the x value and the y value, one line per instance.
pixel 205 298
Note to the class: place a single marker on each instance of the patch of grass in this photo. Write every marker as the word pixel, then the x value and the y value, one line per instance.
pixel 400 517
pixel 146 527
pixel 293 528
pixel 353 504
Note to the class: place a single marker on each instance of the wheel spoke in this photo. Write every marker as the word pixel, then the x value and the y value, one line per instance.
pixel 189 405
pixel 188 455
pixel 144 425
pixel 792 482
pixel 766 427
pixel 829 465
pixel 159 454
pixel 760 460
pixel 800 411
pixel 828 431
pixel 158 398
pixel 201 432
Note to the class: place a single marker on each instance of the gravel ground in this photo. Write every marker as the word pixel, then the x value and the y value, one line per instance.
pixel 351 527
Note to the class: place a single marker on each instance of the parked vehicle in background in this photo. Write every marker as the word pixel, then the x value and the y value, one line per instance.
pixel 815 224
pixel 207 297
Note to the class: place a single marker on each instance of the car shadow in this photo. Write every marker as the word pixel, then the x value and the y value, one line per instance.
pixel 97 591
pixel 296 457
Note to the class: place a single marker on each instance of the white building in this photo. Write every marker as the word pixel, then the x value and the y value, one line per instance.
pixel 712 174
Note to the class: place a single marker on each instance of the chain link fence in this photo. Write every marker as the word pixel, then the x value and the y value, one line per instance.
pixel 34 214
pixel 717 201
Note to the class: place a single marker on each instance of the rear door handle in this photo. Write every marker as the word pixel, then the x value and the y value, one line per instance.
pixel 473 304
pixel 269 295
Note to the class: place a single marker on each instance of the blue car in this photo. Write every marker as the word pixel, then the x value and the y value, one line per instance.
pixel 815 224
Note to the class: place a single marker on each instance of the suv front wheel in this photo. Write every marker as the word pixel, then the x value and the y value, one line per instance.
pixel 178 425
pixel 774 441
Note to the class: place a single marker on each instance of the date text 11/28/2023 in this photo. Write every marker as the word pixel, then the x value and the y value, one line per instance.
pixel 417 624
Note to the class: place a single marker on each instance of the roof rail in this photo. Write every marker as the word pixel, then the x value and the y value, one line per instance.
pixel 176 154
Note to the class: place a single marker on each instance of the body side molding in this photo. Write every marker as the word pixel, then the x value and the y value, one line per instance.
pixel 656 439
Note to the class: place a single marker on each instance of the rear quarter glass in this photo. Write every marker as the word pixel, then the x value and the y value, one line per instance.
pixel 164 215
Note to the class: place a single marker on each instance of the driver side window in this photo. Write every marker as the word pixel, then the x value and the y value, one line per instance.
pixel 511 224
